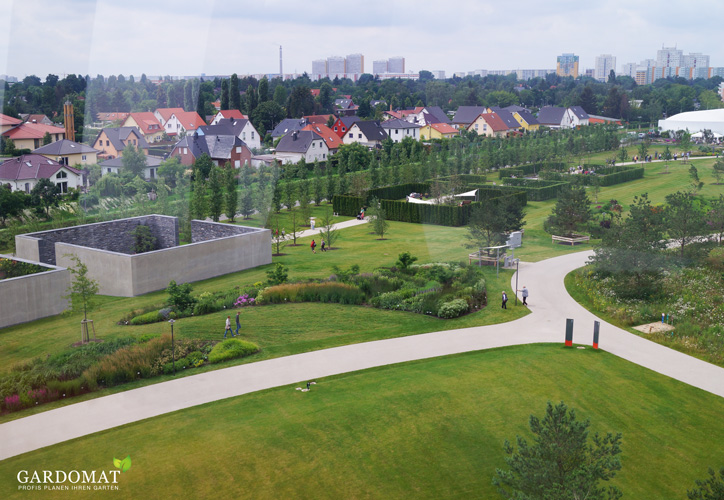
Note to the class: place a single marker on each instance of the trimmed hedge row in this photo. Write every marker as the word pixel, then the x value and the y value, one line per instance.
pixel 398 191
pixel 464 178
pixel 537 190
pixel 486 193
pixel 530 168
pixel 442 215
pixel 609 176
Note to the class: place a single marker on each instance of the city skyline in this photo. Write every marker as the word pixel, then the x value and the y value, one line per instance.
pixel 186 37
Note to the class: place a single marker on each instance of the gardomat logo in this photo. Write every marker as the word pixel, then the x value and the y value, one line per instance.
pixel 124 464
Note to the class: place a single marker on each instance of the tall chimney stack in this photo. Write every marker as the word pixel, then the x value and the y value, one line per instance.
pixel 69 121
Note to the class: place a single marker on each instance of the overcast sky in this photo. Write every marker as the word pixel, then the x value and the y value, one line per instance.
pixel 190 37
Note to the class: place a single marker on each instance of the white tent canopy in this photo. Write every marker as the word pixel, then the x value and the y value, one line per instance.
pixel 696 121
pixel 469 194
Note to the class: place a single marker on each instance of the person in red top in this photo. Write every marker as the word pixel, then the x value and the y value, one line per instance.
pixel 313 246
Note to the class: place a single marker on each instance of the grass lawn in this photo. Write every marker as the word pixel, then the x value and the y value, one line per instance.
pixel 428 429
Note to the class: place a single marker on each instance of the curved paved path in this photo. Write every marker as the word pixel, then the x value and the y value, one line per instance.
pixel 549 302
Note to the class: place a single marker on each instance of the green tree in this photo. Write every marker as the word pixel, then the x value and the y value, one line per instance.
pixel 290 193
pixel 263 90
pixel 83 289
pixel 718 170
pixel 711 488
pixel 280 95
pixel 278 275
pixel 643 149
pixel 267 115
pixel 234 93
pixel 12 203
pixel 44 195
pixel 301 102
pixel 318 187
pixel 231 198
pixel 247 202
pixel 378 217
pixel 143 239
pixel 251 100
pixel 631 250
pixel 134 161
pixel 491 221
pixel 326 97
pixel 225 94
pixel 216 194
pixel 560 463
pixel 47 139
pixel 404 261
pixel 328 232
pixel 684 219
pixel 179 296
pixel 696 184
pixel 715 217
pixel 572 210
pixel 199 204
pixel 202 167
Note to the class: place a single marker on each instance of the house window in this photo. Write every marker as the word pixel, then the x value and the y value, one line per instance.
pixel 186 150
pixel 27 187
pixel 351 135
pixel 61 175
pixel 397 131
pixel 110 171
pixel 324 156
pixel 238 149
pixel 313 144
pixel 243 136
pixel 252 135
pixel 335 129
pixel 476 126
pixel 134 142
pixel 83 157
pixel 152 172
pixel 63 187
pixel 485 126
pixel 237 163
pixel 108 143
pixel 359 135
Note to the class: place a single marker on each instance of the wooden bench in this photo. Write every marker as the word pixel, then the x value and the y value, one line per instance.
pixel 572 240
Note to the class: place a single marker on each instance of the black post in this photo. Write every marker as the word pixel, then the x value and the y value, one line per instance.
pixel 596 327
pixel 569 332
pixel 516 281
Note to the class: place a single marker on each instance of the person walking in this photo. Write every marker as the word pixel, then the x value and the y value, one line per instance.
pixel 313 245
pixel 505 300
pixel 524 294
pixel 322 246
pixel 228 327
pixel 238 324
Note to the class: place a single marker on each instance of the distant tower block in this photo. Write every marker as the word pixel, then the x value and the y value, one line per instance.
pixel 281 72
pixel 69 121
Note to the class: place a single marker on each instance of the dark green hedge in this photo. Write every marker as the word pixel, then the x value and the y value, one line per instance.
pixel 614 175
pixel 530 168
pixel 537 190
pixel 347 205
pixel 398 191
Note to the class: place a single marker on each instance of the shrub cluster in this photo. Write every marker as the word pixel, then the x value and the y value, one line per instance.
pixel 329 291
pixel 232 349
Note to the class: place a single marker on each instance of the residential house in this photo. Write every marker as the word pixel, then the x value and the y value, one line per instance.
pixel 575 117
pixel 526 120
pixel 30 135
pixel 227 114
pixel 489 125
pixel 465 115
pixel 438 131
pixel 398 129
pixel 428 115
pixel 241 128
pixel 342 124
pixel 42 119
pixel 288 125
pixel 400 114
pixel 112 117
pixel 183 123
pixel 551 116
pixel 24 172
pixel 67 152
pixel 597 119
pixel 332 140
pixel 8 122
pixel 300 144
pixel 163 115
pixel 115 165
pixel 507 117
pixel 147 123
pixel 111 141
pixel 220 148
pixel 367 133
pixel 345 107
pixel 316 119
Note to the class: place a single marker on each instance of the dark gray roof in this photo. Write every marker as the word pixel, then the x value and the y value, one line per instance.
pixel 31 166
pixel 467 114
pixel 151 161
pixel 512 108
pixel 118 134
pixel 225 126
pixel 348 121
pixel 298 141
pixel 344 103
pixel 579 112
pixel 506 116
pixel 528 117
pixel 287 125
pixel 64 147
pixel 398 123
pixel 218 147
pixel 372 130
pixel 551 115
pixel 434 114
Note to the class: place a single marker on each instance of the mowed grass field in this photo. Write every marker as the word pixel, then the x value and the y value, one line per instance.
pixel 429 429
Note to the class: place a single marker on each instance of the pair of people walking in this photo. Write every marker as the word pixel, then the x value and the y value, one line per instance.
pixel 313 246
pixel 524 294
pixel 228 326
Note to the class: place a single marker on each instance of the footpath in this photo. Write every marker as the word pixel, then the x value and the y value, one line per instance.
pixel 549 302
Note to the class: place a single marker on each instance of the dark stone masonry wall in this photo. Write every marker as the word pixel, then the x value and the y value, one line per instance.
pixel 205 231
pixel 113 236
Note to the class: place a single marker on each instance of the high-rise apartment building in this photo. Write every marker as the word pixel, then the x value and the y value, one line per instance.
pixel 379 67
pixel 396 65
pixel 336 65
pixel 668 57
pixel 319 67
pixel 355 63
pixel 567 65
pixel 604 64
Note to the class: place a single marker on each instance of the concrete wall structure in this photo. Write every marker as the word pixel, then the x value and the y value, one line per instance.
pixel 216 249
pixel 34 296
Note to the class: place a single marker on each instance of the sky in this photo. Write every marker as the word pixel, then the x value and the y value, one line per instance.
pixel 193 37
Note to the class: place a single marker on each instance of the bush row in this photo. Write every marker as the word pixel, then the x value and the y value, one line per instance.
pixel 530 168
pixel 339 293
pixel 537 190
pixel 398 191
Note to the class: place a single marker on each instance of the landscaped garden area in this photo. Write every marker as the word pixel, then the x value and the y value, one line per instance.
pixel 432 429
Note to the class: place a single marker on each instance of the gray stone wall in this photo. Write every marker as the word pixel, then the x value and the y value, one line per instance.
pixel 205 231
pixel 34 296
pixel 113 236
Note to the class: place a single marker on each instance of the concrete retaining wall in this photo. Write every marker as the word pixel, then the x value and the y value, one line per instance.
pixel 217 249
pixel 34 296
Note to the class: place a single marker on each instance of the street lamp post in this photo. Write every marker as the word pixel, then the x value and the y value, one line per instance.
pixel 173 347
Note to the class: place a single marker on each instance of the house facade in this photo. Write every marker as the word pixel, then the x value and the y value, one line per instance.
pixel 67 152
pixel 115 166
pixel 367 133
pixel 489 125
pixel 227 114
pixel 220 148
pixel 146 123
pixel 398 129
pixel 183 123
pixel 438 131
pixel 110 142
pixel 300 144
pixel 23 173
pixel 31 135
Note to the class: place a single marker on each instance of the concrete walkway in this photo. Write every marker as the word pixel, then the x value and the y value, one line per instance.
pixel 549 302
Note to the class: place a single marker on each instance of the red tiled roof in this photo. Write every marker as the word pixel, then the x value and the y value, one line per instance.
pixel 330 138
pixel 32 131
pixel 31 166
pixel 147 122
pixel 9 120
pixel 320 119
pixel 190 120
pixel 444 128
pixel 495 122
pixel 167 112
pixel 231 113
